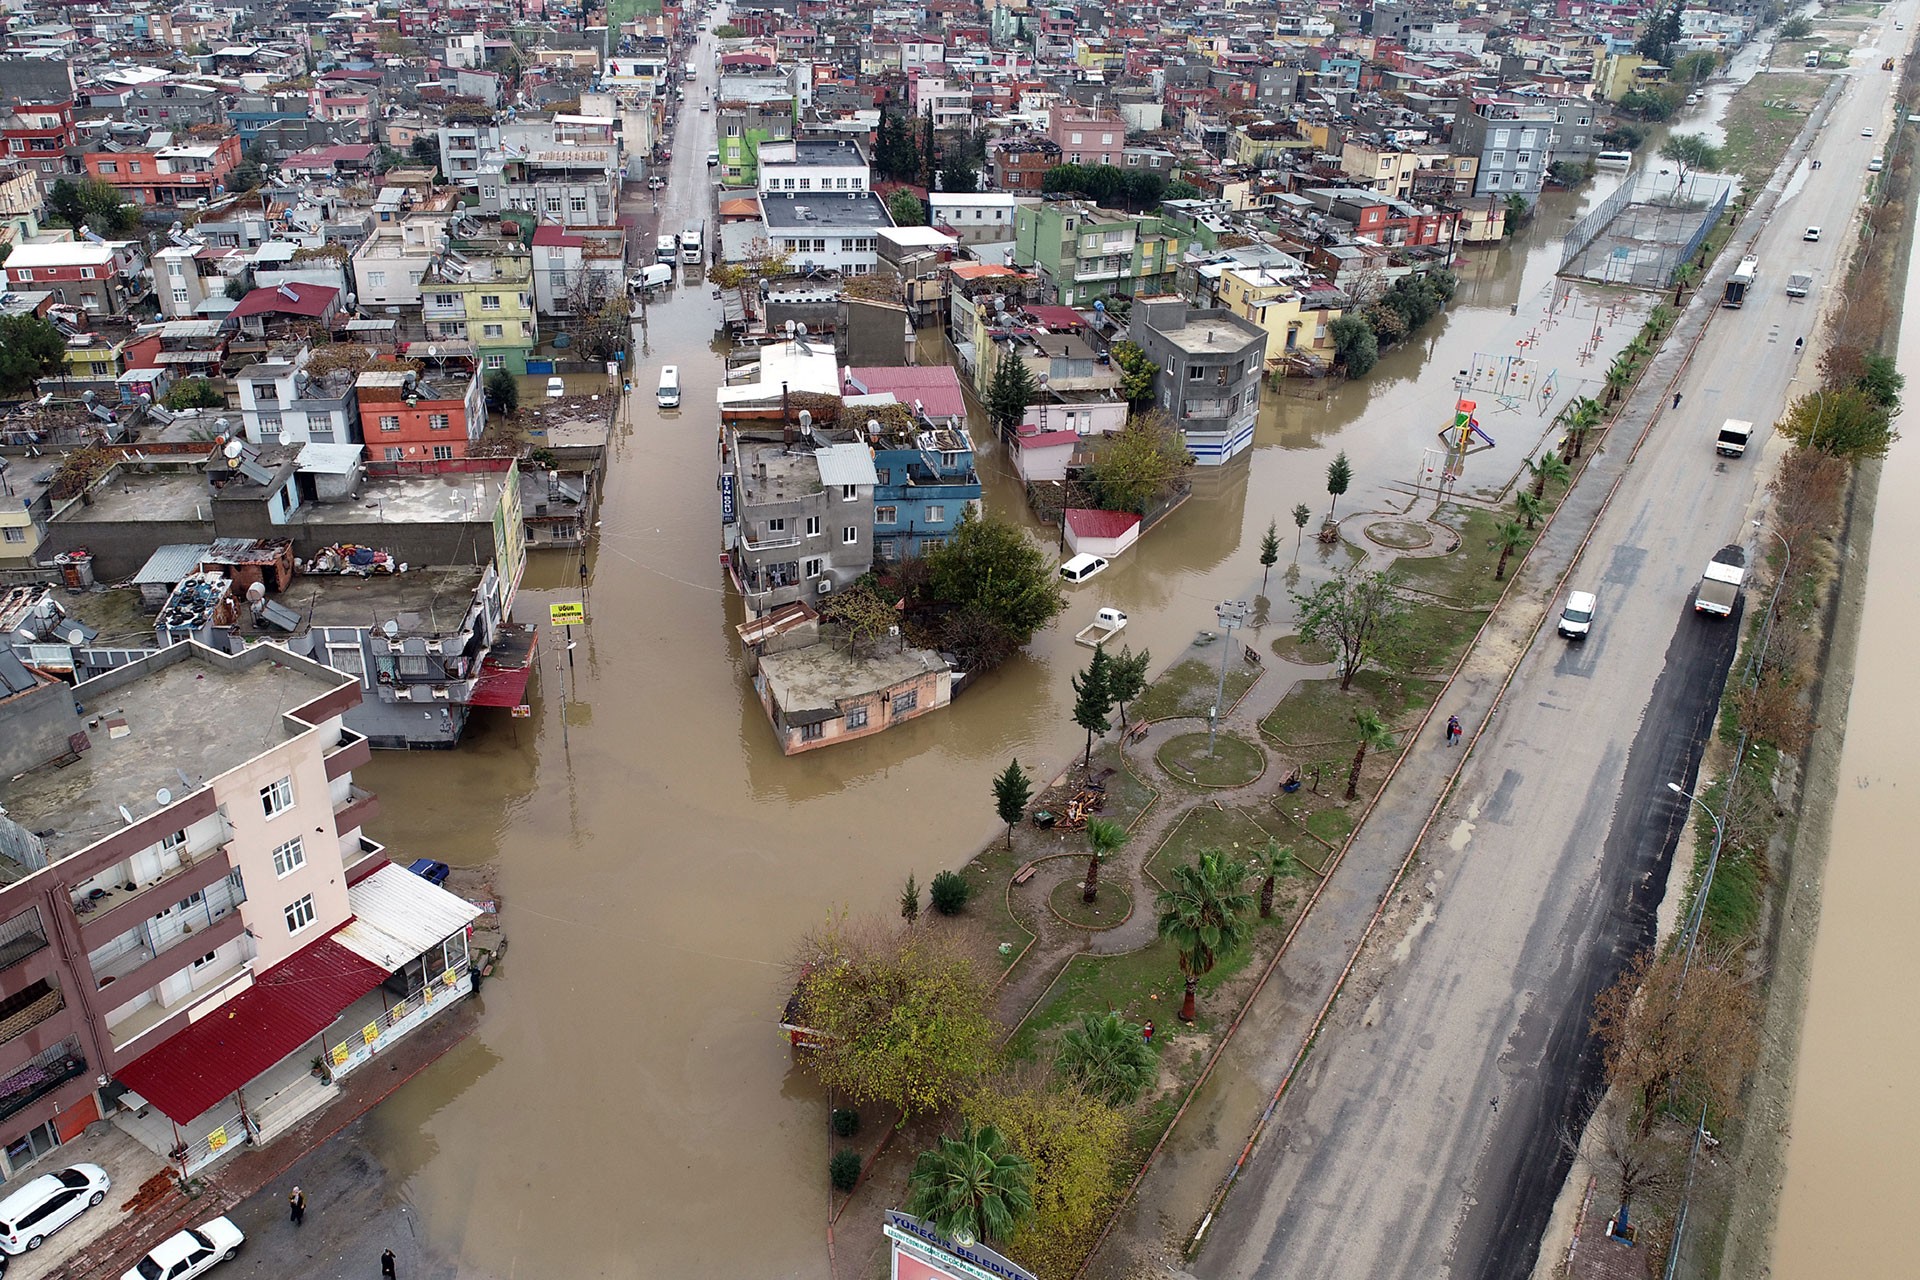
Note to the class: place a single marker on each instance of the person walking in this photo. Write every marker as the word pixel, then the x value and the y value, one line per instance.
pixel 386 1265
pixel 1146 1032
pixel 297 1205
pixel 1453 730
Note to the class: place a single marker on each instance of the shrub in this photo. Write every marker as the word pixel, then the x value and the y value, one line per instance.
pixel 195 393
pixel 950 893
pixel 844 1169
pixel 846 1123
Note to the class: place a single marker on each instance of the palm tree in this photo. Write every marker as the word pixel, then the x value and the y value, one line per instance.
pixel 1509 537
pixel 1374 736
pixel 1582 416
pixel 1204 915
pixel 1270 864
pixel 1683 275
pixel 1549 467
pixel 1528 508
pixel 1108 1057
pixel 971 1186
pixel 1104 837
pixel 1619 374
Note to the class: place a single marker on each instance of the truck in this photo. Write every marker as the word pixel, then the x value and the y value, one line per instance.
pixel 1799 284
pixel 1733 437
pixel 1719 589
pixel 1740 281
pixel 693 244
pixel 1106 624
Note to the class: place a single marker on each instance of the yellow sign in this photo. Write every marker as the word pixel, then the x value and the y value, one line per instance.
pixel 567 615
pixel 339 1054
pixel 370 1033
pixel 217 1139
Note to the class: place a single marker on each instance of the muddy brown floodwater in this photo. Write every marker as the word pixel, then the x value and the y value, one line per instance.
pixel 1853 1166
pixel 627 1102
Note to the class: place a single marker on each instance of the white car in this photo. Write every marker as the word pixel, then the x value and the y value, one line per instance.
pixel 47 1203
pixel 1866 133
pixel 556 387
pixel 1813 233
pixel 1875 165
pixel 1577 618
pixel 190 1253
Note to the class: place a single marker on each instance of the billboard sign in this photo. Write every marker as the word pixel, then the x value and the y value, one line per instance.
pixel 727 513
pixel 934 1253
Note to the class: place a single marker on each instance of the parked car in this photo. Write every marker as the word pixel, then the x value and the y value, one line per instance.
pixel 48 1203
pixel 1577 618
pixel 556 387
pixel 189 1253
pixel 1813 233
pixel 1082 567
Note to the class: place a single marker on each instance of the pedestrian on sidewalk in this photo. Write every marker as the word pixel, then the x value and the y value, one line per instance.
pixel 1453 730
pixel 386 1265
pixel 1676 399
pixel 297 1205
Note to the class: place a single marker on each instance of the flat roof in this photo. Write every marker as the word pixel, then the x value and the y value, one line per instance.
pixel 425 602
pixel 192 716
pixel 826 210
pixel 441 499
pixel 819 676
pixel 1220 332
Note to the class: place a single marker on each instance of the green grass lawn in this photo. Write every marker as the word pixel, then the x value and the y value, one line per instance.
pixel 1188 688
pixel 1234 762
pixel 1465 577
pixel 1764 118
pixel 1436 635
pixel 628 10
pixel 989 873
pixel 1111 903
pixel 1207 826
pixel 1316 714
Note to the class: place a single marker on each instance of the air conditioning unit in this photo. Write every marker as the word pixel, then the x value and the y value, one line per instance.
pixel 440 692
pixel 824 586
pixel 403 693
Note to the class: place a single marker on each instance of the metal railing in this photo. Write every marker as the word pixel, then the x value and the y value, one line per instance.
pixel 47 1072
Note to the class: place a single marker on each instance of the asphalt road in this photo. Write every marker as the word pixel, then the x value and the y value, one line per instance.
pixel 1424 1137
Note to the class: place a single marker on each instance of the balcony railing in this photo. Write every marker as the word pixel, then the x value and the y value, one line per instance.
pixel 40 1077
pixel 21 937
pixel 29 1016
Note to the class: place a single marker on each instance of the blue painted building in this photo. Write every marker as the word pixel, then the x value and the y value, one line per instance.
pixel 926 483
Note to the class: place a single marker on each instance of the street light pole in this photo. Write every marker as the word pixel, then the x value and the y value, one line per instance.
pixel 1699 911
pixel 1231 614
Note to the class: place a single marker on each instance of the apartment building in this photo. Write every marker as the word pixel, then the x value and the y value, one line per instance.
pixel 1208 373
pixel 486 300
pixel 1083 252
pixel 1086 136
pixel 36 114
pixel 390 263
pixel 1514 142
pixel 750 111
pixel 91 274
pixel 797 519
pixel 282 403
pixel 410 417
pixel 162 173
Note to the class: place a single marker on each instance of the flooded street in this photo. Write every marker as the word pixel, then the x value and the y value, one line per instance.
pixel 628 1102
pixel 1852 1173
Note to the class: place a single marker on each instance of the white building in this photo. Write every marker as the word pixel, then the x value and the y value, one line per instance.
pixel 799 166
pixel 982 217
pixel 281 403
pixel 389 264
pixel 832 231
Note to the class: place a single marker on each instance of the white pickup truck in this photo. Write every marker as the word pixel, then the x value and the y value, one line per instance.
pixel 1107 624
pixel 1719 589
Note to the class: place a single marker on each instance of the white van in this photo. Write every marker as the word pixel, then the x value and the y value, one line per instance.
pixel 47 1203
pixel 668 396
pixel 1577 618
pixel 1082 567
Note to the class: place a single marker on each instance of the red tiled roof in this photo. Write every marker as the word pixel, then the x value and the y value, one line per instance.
pixel 935 386
pixel 1089 523
pixel 308 300
pixel 552 233
pixel 1055 317
pixel 279 1014
pixel 506 670
pixel 1045 439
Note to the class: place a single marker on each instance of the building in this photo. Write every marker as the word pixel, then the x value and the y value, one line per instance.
pixel 797 519
pixel 487 300
pixel 94 275
pixel 192 912
pixel 984 217
pixel 925 480
pixel 805 166
pixel 36 114
pixel 1083 253
pixel 164 174
pixel 750 112
pixel 1101 533
pixel 390 263
pixel 286 309
pixel 1293 310
pixel 578 186
pixel 1085 136
pixel 821 694
pixel 1019 162
pixel 1514 141
pixel 578 270
pixel 1208 373
pixel 406 416
pixel 187 276
pixel 282 403
pixel 825 231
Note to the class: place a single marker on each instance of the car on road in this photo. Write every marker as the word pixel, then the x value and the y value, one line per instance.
pixel 1875 165
pixel 706 106
pixel 1813 233
pixel 189 1253
pixel 1577 618
pixel 48 1203
pixel 1866 133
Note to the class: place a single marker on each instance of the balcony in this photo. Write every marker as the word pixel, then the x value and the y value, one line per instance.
pixel 21 937
pixel 119 909
pixel 775 542
pixel 29 1008
pixel 40 1077
pixel 359 808
pixel 123 955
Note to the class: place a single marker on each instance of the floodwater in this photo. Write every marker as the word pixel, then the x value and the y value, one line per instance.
pixel 1852 1173
pixel 627 1099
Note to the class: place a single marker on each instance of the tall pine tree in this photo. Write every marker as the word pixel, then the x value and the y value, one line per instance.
pixel 1093 698
pixel 1010 392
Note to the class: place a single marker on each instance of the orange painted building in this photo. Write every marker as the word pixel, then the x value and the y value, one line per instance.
pixel 410 417
pixel 163 176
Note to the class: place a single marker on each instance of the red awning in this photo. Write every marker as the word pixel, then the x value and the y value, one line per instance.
pixel 506 669
pixel 279 1014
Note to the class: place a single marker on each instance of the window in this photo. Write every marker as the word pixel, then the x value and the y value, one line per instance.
pixel 299 914
pixel 180 297
pixel 856 718
pixel 489 302
pixel 443 453
pixel 135 166
pixel 1524 159
pixel 850 536
pixel 109 166
pixel 812 567
pixel 15 533
pixel 277 797
pixel 813 732
pixel 936 515
pixel 438 421
pixel 395 453
pixel 496 362
pixel 777 524
pixel 289 857
pixel 1196 373
pixel 849 493
pixel 886 515
pixel 86 273
pixel 389 422
pixel 553 204
pixel 348 658
pixel 905 702
pixel 23 275
pixel 377 279
pixel 1493 180
pixel 445 299
pixel 173 841
pixel 205 960
pixel 577 203
pixel 813 526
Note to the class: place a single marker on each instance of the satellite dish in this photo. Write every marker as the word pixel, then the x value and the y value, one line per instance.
pixel 806 420
pixel 390 629
pixel 789 328
pixel 801 329
pixel 163 797
pixel 234 449
pixel 433 353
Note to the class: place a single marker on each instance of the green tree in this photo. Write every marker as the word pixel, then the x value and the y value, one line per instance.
pixel 1362 617
pixel 1339 477
pixel 1203 914
pixel 727 31
pixel 1528 508
pixel 1127 679
pixel 1269 552
pixel 958 175
pixel 1798 27
pixel 1009 392
pixel 1301 514
pixel 1882 380
pixel 1144 189
pixel 1064 178
pixel 1104 839
pixel 503 392
pixel 1356 348
pixel 194 393
pixel 1136 372
pixel 1510 537
pixel 910 901
pixel 1372 735
pixel 902 1021
pixel 989 565
pixel 1691 152
pixel 1012 788
pixel 949 893
pixel 30 348
pixel 1139 465
pixel 425 150
pixel 1548 469
pixel 1270 864
pixel 1108 1057
pixel 971 1185
pixel 1619 377
pixel 93 204
pixel 1075 1142
pixel 1092 699
pixel 1580 418
pixel 906 209
pixel 1180 189
pixel 1843 422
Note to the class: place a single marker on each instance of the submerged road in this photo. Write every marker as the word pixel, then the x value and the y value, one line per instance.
pixel 1423 1137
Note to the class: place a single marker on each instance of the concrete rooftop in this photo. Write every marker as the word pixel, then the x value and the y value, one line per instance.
pixel 825 211
pixel 1220 332
pixel 819 676
pixel 425 602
